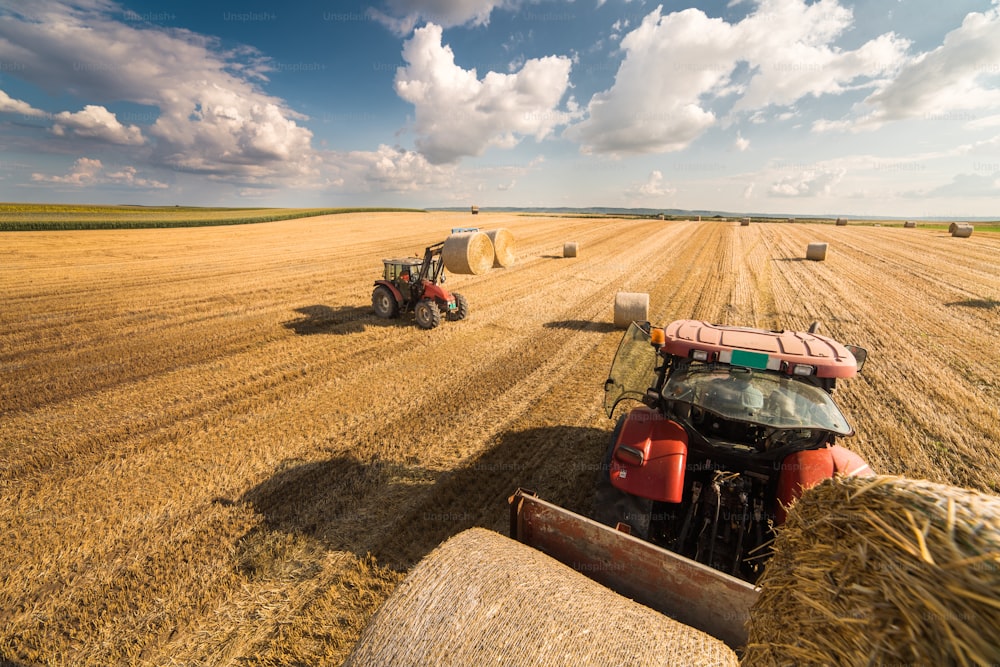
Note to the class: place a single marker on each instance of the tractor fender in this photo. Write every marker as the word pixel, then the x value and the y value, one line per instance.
pixel 392 288
pixel 436 292
pixel 805 469
pixel 649 456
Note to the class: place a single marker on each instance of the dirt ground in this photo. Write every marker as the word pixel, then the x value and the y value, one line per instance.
pixel 211 452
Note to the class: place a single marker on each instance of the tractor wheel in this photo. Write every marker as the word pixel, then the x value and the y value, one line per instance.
pixel 427 314
pixel 384 303
pixel 461 308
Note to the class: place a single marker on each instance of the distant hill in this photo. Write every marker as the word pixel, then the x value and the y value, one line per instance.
pixel 677 212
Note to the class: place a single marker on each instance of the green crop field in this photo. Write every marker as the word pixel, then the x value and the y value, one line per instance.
pixel 41 217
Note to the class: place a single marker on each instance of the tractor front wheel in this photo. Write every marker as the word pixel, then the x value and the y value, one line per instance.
pixel 384 303
pixel 461 308
pixel 427 314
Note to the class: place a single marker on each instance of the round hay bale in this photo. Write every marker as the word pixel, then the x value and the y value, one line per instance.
pixel 468 253
pixel 503 247
pixel 909 224
pixel 484 599
pixel 744 222
pixel 962 231
pixel 881 570
pixel 816 252
pixel 631 307
pixel 841 222
pixel 570 249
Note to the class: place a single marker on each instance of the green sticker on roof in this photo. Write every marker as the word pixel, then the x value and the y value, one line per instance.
pixel 749 359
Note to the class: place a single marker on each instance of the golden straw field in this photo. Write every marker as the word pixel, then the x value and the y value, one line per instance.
pixel 212 452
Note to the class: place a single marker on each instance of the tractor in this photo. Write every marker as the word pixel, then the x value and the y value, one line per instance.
pixel 734 424
pixel 413 285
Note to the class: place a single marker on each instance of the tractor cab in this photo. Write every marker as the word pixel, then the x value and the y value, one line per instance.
pixel 395 269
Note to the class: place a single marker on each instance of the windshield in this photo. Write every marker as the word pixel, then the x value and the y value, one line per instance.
pixel 759 397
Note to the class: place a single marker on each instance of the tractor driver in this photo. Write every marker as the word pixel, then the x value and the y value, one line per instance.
pixel 736 394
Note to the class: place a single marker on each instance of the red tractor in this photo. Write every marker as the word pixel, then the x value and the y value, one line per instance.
pixel 413 285
pixel 736 423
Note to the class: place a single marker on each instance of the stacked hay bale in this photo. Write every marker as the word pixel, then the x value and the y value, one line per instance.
pixel 881 570
pixel 570 249
pixel 962 230
pixel 484 599
pixel 841 222
pixel 816 252
pixel 503 247
pixel 631 307
pixel 468 253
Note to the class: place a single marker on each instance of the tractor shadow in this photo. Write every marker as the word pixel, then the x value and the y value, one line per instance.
pixel 581 325
pixel 985 304
pixel 399 513
pixel 320 319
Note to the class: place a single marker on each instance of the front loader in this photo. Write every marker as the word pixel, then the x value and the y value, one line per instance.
pixel 413 285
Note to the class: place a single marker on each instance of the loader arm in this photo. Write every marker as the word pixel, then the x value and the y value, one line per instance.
pixel 692 593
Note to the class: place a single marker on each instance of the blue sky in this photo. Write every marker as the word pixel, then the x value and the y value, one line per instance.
pixel 769 106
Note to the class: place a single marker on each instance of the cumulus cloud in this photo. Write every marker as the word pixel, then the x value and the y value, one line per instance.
pixel 213 118
pixel 740 143
pixel 678 65
pixel 96 122
pixel 393 169
pixel 401 16
pixel 653 187
pixel 87 172
pixel 457 114
pixel 817 182
pixel 10 105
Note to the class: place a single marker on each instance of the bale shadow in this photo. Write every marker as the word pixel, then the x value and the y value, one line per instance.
pixel 985 304
pixel 581 325
pixel 338 504
pixel 8 662
pixel 321 319
pixel 553 257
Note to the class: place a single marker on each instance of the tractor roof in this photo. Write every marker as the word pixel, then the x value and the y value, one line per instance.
pixel 761 349
pixel 405 261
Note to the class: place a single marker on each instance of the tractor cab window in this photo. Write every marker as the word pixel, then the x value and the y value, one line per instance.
pixel 759 397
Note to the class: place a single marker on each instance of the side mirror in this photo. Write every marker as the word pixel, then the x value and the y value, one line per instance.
pixel 860 355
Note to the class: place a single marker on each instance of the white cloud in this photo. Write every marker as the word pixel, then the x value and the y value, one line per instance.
pixel 96 122
pixel 676 66
pixel 402 15
pixel 10 105
pixel 740 143
pixel 88 172
pixel 213 119
pixel 391 169
pixel 457 114
pixel 653 187
pixel 818 182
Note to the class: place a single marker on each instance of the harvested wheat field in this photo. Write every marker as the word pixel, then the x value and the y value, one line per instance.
pixel 212 452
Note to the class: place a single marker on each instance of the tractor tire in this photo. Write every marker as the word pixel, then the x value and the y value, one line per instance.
pixel 612 506
pixel 384 303
pixel 427 314
pixel 461 308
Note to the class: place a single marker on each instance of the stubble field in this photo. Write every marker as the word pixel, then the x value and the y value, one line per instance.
pixel 211 452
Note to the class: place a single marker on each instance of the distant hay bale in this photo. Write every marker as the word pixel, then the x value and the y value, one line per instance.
pixel 631 307
pixel 745 222
pixel 909 224
pixel 475 209
pixel 503 247
pixel 816 252
pixel 952 227
pixel 884 570
pixel 841 222
pixel 570 249
pixel 962 230
pixel 468 253
pixel 484 599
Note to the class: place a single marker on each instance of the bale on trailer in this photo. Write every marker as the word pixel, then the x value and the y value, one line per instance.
pixel 962 230
pixel 570 249
pixel 631 307
pixel 503 247
pixel 468 253
pixel 909 224
pixel 841 222
pixel 881 570
pixel 816 252
pixel 485 599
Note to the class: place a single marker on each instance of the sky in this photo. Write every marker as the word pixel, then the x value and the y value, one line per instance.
pixel 830 107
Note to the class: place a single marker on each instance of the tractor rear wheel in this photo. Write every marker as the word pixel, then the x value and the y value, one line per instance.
pixel 427 314
pixel 461 308
pixel 384 303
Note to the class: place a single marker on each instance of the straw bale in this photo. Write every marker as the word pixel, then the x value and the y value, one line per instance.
pixel 468 253
pixel 884 570
pixel 909 224
pixel 570 249
pixel 816 252
pixel 952 227
pixel 962 230
pixel 484 599
pixel 503 247
pixel 745 222
pixel 841 222
pixel 631 307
